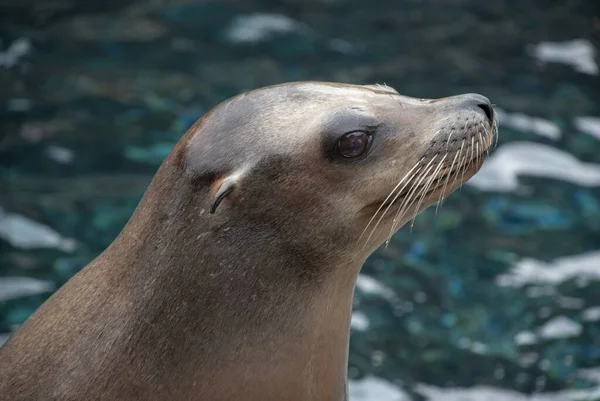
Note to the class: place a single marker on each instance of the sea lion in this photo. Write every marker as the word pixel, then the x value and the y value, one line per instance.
pixel 233 279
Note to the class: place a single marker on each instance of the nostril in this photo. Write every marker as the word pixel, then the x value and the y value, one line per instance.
pixel 487 109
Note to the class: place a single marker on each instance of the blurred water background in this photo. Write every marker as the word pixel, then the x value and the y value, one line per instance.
pixel 497 297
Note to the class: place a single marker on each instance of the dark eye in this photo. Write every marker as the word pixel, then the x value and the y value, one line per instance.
pixel 354 144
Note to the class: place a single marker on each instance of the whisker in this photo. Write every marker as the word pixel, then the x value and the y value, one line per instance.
pixel 453 124
pixel 450 134
pixel 472 160
pixel 434 175
pixel 462 163
pixel 387 198
pixel 485 142
pixel 463 171
pixel 417 183
pixel 409 198
pixel 460 166
pixel 449 137
pixel 477 152
pixel 495 132
pixel 447 180
pixel 485 138
pixel 410 192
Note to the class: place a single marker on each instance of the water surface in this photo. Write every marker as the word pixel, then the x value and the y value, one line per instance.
pixel 495 296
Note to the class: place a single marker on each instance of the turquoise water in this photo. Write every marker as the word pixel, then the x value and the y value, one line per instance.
pixel 496 295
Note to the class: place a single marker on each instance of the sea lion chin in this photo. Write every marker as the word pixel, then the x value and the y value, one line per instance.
pixel 233 279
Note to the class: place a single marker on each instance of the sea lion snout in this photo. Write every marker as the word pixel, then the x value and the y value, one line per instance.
pixel 475 101
pixel 472 102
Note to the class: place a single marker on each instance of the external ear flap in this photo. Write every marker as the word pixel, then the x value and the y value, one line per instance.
pixel 224 188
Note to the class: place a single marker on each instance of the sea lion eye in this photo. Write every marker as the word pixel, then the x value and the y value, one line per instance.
pixel 354 144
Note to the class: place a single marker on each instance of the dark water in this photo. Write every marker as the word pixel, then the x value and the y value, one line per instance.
pixel 495 296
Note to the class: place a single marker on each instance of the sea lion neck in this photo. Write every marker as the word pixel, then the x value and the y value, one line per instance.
pixel 271 307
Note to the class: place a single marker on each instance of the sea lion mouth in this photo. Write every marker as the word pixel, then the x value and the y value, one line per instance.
pixel 444 177
pixel 440 180
pixel 441 169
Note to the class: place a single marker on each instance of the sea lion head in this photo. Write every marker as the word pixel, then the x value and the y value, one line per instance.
pixel 336 169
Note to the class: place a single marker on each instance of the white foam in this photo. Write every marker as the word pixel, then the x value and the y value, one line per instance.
pixel 341 46
pixel 571 303
pixel 591 314
pixel 17 287
pixel 258 27
pixel 474 346
pixel 525 338
pixel 560 327
pixel 525 123
pixel 584 267
pixel 373 388
pixel 588 125
pixel 60 154
pixel 485 393
pixel 22 232
pixel 578 53
pixel 19 104
pixel 17 49
pixel 591 374
pixel 369 285
pixel 500 172
pixel 360 321
pixel 540 291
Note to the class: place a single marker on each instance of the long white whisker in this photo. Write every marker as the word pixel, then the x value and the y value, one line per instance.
pixel 411 190
pixel 448 178
pixel 477 154
pixel 434 175
pixel 495 132
pixel 484 143
pixel 409 199
pixel 486 138
pixel 472 160
pixel 449 137
pixel 386 199
pixel 463 167
pixel 462 164
pixel 415 188
pixel 483 136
